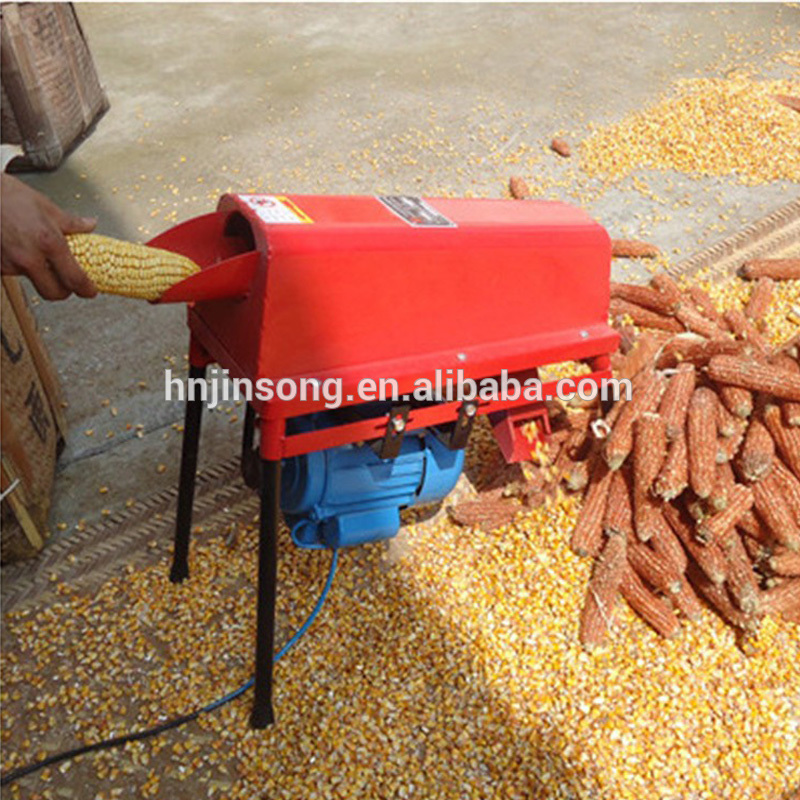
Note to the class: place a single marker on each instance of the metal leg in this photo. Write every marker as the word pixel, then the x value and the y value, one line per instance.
pixel 251 463
pixel 191 440
pixel 267 579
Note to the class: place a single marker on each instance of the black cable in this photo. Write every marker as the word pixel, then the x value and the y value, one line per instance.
pixel 107 744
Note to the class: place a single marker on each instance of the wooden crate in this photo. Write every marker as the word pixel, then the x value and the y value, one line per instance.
pixel 32 427
pixel 51 94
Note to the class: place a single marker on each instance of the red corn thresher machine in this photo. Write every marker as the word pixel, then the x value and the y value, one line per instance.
pixel 355 289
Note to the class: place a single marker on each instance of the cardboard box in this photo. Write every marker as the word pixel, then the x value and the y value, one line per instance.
pixel 51 95
pixel 32 426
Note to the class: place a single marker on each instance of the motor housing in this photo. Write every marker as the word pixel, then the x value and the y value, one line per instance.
pixel 348 495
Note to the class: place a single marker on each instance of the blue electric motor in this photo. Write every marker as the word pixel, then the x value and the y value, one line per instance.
pixel 348 495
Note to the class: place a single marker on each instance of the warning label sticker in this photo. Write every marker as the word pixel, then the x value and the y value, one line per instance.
pixel 275 209
pixel 416 212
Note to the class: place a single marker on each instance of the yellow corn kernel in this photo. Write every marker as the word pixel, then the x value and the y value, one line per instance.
pixel 128 269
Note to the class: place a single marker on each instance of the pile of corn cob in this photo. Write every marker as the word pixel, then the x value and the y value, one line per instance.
pixel 691 488
pixel 695 483
pixel 128 269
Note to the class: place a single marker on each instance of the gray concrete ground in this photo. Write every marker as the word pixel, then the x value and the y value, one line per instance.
pixel 349 98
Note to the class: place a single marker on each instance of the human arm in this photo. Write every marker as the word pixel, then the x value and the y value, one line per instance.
pixel 34 244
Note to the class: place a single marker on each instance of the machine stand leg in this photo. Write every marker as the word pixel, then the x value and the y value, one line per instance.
pixel 183 522
pixel 267 579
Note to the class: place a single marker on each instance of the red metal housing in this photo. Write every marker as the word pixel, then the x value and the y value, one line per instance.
pixel 364 287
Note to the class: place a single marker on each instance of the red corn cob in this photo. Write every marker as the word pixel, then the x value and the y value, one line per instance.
pixel 779 269
pixel 575 448
pixel 783 360
pixel 631 248
pixel 701 431
pixel 709 557
pixel 518 189
pixel 665 284
pixel 744 329
pixel 783 597
pixel 650 445
pixel 560 147
pixel 717 527
pixel 642 355
pixel 598 608
pixel 658 571
pixel 790 486
pixel 758 553
pixel 720 496
pixel 687 602
pixel 705 305
pixel 653 610
pixel 668 546
pixel 785 563
pixel 727 422
pixel 741 580
pixel 620 443
pixel 751 525
pixel 791 413
pixel 757 452
pixel 773 509
pixel 587 538
pixel 737 400
pixel 698 350
pixel 486 513
pixel 577 476
pixel 618 516
pixel 760 300
pixel 728 446
pixel 642 379
pixel 643 317
pixel 645 296
pixel 694 321
pixel 675 402
pixel 674 475
pixel 787 439
pixel 735 371
pixel 718 598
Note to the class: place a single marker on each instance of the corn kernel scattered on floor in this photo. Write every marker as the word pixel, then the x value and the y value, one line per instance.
pixel 451 669
pixel 709 126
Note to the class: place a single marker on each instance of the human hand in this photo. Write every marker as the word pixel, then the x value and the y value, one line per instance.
pixel 33 243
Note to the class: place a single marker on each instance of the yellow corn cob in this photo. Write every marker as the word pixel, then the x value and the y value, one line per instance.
pixel 132 270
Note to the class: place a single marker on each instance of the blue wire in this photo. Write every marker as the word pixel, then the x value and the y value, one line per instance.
pixel 14 775
pixel 299 633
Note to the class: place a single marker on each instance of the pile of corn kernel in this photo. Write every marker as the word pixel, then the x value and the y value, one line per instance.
pixel 709 126
pixel 450 670
pixel 782 319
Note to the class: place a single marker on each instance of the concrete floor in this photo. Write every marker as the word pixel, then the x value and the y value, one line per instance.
pixel 349 98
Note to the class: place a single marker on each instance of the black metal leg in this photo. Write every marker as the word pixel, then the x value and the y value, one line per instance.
pixel 191 440
pixel 251 463
pixel 267 579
